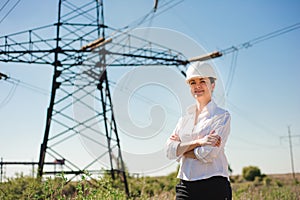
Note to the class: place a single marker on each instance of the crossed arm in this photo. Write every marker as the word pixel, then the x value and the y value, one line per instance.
pixel 187 148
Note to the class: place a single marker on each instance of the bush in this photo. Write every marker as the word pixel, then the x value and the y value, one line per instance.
pixel 267 181
pixel 250 172
pixel 257 181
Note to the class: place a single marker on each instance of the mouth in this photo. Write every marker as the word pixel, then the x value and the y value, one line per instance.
pixel 198 92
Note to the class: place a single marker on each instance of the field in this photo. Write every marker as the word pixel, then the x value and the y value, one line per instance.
pixel 266 187
pixel 270 187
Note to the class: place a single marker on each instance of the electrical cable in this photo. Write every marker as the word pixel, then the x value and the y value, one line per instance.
pixel 262 38
pixel 231 72
pixel 4 5
pixel 142 98
pixel 250 43
pixel 31 87
pixel 275 33
pixel 246 116
pixel 11 93
pixel 163 8
pixel 14 6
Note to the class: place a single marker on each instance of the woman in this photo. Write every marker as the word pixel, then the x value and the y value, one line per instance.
pixel 199 139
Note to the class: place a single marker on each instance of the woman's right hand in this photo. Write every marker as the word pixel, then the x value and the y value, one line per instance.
pixel 211 139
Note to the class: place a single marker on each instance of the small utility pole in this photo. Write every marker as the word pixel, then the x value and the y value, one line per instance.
pixel 1 170
pixel 291 151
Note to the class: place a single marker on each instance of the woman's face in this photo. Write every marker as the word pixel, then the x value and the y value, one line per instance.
pixel 201 88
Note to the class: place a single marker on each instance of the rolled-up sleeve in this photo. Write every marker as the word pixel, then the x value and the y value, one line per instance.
pixel 171 145
pixel 171 148
pixel 221 126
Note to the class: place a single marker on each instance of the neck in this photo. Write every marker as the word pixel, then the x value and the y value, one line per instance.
pixel 201 103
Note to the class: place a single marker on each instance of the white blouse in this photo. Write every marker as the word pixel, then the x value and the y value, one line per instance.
pixel 211 161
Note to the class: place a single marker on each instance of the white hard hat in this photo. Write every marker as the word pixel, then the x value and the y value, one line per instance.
pixel 200 70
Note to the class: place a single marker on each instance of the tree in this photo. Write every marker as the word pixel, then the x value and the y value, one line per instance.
pixel 250 172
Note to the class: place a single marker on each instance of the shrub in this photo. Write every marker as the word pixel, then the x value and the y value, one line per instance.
pixel 250 172
pixel 267 181
pixel 257 181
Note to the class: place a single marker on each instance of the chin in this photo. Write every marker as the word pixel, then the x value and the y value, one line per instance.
pixel 198 95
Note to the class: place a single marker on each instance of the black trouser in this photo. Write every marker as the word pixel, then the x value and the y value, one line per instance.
pixel 214 188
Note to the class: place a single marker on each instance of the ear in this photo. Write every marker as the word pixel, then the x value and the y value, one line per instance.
pixel 213 86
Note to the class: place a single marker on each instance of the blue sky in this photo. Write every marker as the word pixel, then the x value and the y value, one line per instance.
pixel 263 99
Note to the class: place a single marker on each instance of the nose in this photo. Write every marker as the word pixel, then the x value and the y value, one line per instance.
pixel 199 85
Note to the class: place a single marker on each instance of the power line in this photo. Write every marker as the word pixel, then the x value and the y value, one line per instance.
pixel 247 117
pixel 15 83
pixel 9 96
pixel 250 43
pixel 14 6
pixel 30 86
pixel 23 84
pixel 231 72
pixel 143 98
pixel 275 33
pixel 150 16
pixel 4 5
pixel 260 39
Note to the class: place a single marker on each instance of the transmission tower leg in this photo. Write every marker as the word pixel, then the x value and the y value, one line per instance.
pixel 105 90
pixel 111 128
pixel 43 149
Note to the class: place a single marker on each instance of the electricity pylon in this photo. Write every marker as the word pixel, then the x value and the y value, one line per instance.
pixel 80 53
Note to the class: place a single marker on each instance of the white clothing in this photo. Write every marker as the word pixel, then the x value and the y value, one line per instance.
pixel 211 161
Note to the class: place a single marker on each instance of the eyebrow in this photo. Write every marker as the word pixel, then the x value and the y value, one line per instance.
pixel 196 79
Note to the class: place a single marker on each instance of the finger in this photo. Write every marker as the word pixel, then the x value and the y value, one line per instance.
pixel 214 135
pixel 213 138
pixel 219 142
pixel 216 144
pixel 212 132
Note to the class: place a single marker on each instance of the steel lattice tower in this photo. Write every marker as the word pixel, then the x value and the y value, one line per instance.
pixel 80 53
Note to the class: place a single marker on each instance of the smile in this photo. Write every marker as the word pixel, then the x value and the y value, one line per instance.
pixel 198 91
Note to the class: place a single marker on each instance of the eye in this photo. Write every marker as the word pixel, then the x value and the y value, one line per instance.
pixel 192 83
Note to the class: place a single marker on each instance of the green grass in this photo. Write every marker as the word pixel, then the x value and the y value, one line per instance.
pixel 25 187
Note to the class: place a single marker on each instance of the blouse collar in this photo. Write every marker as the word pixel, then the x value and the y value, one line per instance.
pixel 210 108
